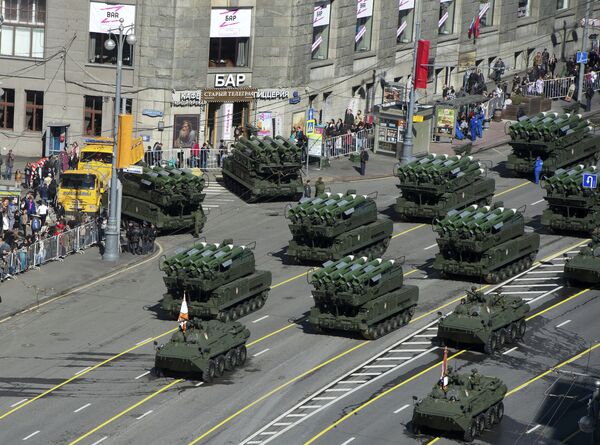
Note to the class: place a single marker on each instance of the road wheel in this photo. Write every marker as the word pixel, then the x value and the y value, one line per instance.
pixel 499 412
pixel 490 417
pixel 513 333
pixel 227 316
pixel 395 322
pixel 501 337
pixel 372 333
pixel 381 330
pixel 242 354
pixel 406 318
pixel 219 366
pixel 254 305
pixel 231 360
pixel 480 424
pixel 247 307
pixel 471 432
pixel 521 328
pixel 491 345
pixel 208 375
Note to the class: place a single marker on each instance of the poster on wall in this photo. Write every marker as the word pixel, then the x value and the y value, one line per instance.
pixel 105 17
pixel 265 123
pixel 298 120
pixel 364 8
pixel 230 22
pixel 185 130
pixel 227 122
pixel 321 15
pixel 444 121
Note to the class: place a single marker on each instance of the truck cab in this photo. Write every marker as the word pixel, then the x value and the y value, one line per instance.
pixel 81 191
pixel 96 155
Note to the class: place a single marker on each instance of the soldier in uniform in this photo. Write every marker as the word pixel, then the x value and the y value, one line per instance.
pixel 319 187
pixel 475 295
pixel 129 236
pixel 152 238
pixel 145 236
pixel 135 239
pixel 475 378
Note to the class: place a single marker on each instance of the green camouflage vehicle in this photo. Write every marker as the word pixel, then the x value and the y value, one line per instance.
pixel 436 184
pixel 220 281
pixel 585 266
pixel 463 404
pixel 571 207
pixel 334 225
pixel 361 295
pixel 489 243
pixel 208 348
pixel 559 140
pixel 489 321
pixel 169 198
pixel 259 169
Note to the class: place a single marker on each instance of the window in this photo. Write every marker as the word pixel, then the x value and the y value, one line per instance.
pixel 99 54
pixel 7 109
pixel 34 110
pixel 446 20
pixel 92 117
pixel 364 25
pixel 320 41
pixel 23 30
pixel 523 9
pixel 486 13
pixel 229 37
pixel 406 19
pixel 128 106
pixel 228 52
pixel 562 4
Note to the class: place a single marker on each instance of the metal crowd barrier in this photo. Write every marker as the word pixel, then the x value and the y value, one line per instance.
pixel 49 249
pixel 550 88
pixel 345 144
pixel 185 158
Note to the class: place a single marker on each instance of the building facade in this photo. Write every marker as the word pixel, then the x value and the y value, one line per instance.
pixel 199 68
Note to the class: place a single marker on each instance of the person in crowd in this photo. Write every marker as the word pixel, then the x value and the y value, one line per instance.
pixel 10 163
pixel 195 154
pixel 537 169
pixel 552 64
pixel 221 154
pixel 18 178
pixel 307 189
pixel 319 187
pixel 473 127
pixel 364 158
pixel 589 95
pixel 499 68
pixel 28 172
pixel 204 156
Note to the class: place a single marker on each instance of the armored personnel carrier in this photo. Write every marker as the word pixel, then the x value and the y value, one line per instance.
pixel 559 140
pixel 219 280
pixel 265 168
pixel 436 184
pixel 334 225
pixel 461 403
pixel 489 243
pixel 571 207
pixel 356 294
pixel 585 266
pixel 169 198
pixel 206 347
pixel 487 321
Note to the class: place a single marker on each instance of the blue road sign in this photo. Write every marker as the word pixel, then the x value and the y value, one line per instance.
pixel 311 114
pixel 589 181
pixel 582 57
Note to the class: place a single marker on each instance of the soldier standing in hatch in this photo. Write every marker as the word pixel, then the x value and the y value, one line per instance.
pixel 319 187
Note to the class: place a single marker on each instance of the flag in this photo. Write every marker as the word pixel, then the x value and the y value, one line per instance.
pixel 444 376
pixel 183 314
pixel 474 27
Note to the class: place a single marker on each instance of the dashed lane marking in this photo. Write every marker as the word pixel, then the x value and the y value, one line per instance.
pixel 531 430
pixel 31 435
pixel 142 375
pixel 510 350
pixel 402 408
pixel 563 323
pixel 82 408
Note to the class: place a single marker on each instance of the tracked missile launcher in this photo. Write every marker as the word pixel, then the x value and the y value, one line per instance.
pixel 559 140
pixel 334 225
pixel 171 199
pixel 266 168
pixel 489 243
pixel 487 321
pixel 571 206
pixel 219 280
pixel 584 267
pixel 208 348
pixel 356 294
pixel 435 184
pixel 464 404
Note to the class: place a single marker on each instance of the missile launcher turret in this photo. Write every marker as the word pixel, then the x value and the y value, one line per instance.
pixel 219 280
pixel 484 242
pixel 357 294
pixel 435 184
pixel 334 225
pixel 559 140
pixel 267 168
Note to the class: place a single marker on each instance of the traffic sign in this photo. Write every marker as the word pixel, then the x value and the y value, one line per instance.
pixel 589 181
pixel 135 169
pixel 311 114
pixel 310 127
pixel 582 57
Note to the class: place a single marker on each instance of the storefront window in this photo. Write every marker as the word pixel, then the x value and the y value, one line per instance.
pixel 320 41
pixel 23 29
pixel 562 4
pixel 230 37
pixel 7 109
pixel 34 110
pixel 364 25
pixel 486 13
pixel 523 8
pixel 406 19
pixel 99 54
pixel 92 118
pixel 446 19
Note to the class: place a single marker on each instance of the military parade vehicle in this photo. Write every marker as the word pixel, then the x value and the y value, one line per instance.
pixel 169 198
pixel 571 206
pixel 461 404
pixel 584 267
pixel 436 184
pixel 489 321
pixel 219 280
pixel 489 243
pixel 559 140
pixel 333 225
pixel 356 294
pixel 208 347
pixel 267 168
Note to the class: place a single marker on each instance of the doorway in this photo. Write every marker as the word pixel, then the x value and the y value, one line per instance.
pixel 219 125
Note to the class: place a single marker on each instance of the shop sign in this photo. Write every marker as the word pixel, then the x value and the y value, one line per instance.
pixel 229 80
pixel 105 17
pixel 364 8
pixel 228 95
pixel 272 94
pixel 231 22
pixel 321 15
pixel 187 98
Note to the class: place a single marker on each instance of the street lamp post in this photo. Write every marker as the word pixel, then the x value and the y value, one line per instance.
pixel 112 247
pixel 580 94
pixel 407 146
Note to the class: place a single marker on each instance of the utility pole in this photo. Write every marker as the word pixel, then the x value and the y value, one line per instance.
pixel 583 46
pixel 407 146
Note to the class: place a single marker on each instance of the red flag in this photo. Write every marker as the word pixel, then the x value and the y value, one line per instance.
pixel 474 27
pixel 444 376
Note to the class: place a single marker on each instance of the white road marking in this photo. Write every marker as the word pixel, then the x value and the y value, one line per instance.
pixel 538 279
pixel 392 358
pixel 268 433
pixel 142 375
pixel 221 200
pixel 401 408
pixel 210 206
pixel 338 389
pixel 366 373
pixel 409 350
pixel 145 340
pixel 546 294
pixel 563 323
pixel 296 415
pixel 430 247
pixel 254 442
pixel 322 398
pixel 199 384
pixel 18 403
pixel 510 350
pixel 527 299
pixel 573 251
pixel 353 381
pixel 417 343
pixel 261 352
pixel 348 441
pixel 537 202
pixel 82 408
pixel 552 265
pixel 312 406
pixel 524 292
pixel 83 370
pixel 281 424
pixel 541 271
pixel 528 285
pixel 144 415
pixel 380 366
pixel 531 430
pixel 260 319
pixel 100 441
pixel 31 435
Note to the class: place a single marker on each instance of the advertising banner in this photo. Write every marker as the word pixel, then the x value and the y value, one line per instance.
pixel 444 121
pixel 230 22
pixel 321 15
pixel 364 8
pixel 105 17
pixel 264 123
pixel 406 4
pixel 227 121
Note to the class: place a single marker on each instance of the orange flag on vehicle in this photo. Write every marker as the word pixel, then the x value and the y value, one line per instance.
pixel 444 377
pixel 183 314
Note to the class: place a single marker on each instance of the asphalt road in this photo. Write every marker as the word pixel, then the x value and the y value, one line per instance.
pixel 77 370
